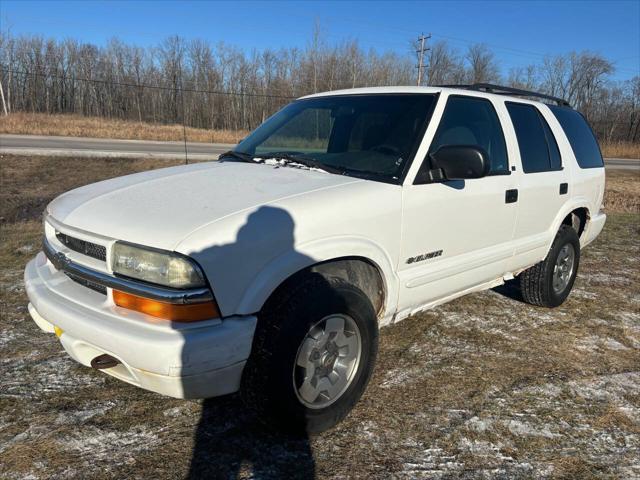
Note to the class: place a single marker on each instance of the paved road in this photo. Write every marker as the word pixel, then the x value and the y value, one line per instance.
pixel 96 147
pixel 622 163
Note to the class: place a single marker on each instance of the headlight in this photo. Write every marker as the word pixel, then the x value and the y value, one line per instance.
pixel 153 266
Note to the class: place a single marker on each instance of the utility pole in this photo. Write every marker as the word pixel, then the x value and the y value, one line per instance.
pixel 422 39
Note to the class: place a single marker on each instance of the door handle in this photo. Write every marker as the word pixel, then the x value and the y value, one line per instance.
pixel 564 188
pixel 511 196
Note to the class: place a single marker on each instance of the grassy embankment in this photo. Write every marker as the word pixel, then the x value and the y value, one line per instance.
pixel 93 127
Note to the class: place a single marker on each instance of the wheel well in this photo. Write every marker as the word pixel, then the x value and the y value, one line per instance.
pixel 577 219
pixel 358 271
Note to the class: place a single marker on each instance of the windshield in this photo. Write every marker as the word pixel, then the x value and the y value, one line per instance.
pixel 369 136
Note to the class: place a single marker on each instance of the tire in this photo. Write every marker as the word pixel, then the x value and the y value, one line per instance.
pixel 272 376
pixel 537 283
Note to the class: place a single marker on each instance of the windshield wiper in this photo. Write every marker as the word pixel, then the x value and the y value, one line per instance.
pixel 243 157
pixel 302 160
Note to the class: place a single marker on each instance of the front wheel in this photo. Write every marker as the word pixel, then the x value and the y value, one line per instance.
pixel 549 282
pixel 313 354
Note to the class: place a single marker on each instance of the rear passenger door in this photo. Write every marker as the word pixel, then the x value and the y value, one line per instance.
pixel 543 183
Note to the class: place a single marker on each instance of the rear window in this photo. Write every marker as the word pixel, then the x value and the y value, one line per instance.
pixel 581 137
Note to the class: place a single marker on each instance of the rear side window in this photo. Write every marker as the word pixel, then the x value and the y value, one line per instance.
pixel 581 137
pixel 473 121
pixel 538 148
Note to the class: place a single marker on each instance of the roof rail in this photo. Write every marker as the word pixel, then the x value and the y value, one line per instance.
pixel 518 92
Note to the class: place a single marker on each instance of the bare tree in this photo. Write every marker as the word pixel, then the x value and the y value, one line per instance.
pixel 444 65
pixel 483 66
pixel 523 77
pixel 223 87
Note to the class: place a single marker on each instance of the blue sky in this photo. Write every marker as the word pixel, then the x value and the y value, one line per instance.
pixel 519 32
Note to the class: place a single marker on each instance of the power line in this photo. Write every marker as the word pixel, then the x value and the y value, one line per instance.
pixel 134 85
pixel 510 51
pixel 422 39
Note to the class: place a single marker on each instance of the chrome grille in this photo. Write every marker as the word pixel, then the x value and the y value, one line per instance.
pixel 82 246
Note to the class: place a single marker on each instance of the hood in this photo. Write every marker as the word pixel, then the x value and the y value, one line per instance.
pixel 161 207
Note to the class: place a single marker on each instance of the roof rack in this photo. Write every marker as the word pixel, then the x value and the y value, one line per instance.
pixel 500 90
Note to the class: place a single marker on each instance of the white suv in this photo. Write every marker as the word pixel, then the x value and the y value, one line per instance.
pixel 271 270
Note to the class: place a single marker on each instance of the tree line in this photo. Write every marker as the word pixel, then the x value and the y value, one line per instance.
pixel 223 87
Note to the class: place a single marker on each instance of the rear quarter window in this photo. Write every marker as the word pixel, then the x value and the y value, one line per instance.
pixel 583 141
pixel 538 148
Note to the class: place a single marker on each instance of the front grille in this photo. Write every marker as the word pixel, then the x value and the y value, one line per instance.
pixel 81 246
pixel 96 287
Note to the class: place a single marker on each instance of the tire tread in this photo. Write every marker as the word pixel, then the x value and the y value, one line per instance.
pixel 534 282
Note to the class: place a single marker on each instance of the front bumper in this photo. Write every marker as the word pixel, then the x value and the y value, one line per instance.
pixel 199 360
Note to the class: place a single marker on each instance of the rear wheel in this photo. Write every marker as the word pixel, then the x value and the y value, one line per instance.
pixel 549 282
pixel 313 354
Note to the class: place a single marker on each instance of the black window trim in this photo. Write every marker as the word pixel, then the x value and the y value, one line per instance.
pixel 543 123
pixel 540 119
pixel 429 117
pixel 426 159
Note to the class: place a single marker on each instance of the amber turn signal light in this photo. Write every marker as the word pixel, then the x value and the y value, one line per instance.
pixel 191 312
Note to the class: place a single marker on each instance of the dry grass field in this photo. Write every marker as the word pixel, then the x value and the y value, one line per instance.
pixel 621 150
pixel 482 387
pixel 79 126
pixel 94 127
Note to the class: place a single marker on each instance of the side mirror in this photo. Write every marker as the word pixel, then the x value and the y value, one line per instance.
pixel 459 162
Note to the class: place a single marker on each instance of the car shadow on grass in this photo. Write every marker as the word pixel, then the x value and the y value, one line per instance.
pixel 511 290
pixel 231 442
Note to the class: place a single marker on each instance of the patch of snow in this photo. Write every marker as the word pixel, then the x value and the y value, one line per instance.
pixel 517 427
pixel 368 430
pixel 80 416
pixel 7 336
pixel 182 410
pixel 606 279
pixel 594 342
pixel 15 287
pixel 479 425
pixel 580 293
pixel 484 449
pixel 399 376
pixel 98 445
pixel 31 378
pixel 550 390
pixel 457 414
pixel 33 431
pixel 613 344
pixel 22 476
pixel 25 249
pixel 431 463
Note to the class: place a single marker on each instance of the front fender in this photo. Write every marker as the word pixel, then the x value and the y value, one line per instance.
pixel 318 251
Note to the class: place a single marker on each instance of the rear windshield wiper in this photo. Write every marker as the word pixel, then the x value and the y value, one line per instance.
pixel 243 157
pixel 302 160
